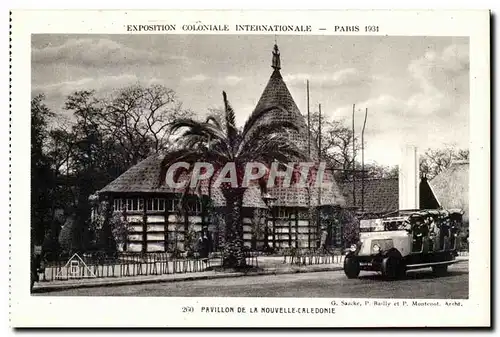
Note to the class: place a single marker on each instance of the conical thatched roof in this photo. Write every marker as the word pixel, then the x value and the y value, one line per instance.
pixel 144 177
pixel 276 93
pixel 451 187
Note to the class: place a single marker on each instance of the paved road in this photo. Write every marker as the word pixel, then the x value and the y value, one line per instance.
pixel 417 284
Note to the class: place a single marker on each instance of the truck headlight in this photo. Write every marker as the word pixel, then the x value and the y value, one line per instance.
pixel 376 248
pixel 353 248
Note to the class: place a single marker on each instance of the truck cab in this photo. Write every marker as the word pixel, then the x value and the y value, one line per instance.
pixel 405 240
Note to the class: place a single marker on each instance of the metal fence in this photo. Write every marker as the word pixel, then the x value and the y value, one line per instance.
pixel 126 265
pixel 310 257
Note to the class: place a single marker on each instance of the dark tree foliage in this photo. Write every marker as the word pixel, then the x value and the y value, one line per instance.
pixel 70 160
pixel 41 174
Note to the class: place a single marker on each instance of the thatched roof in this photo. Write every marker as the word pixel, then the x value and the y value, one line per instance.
pixel 144 176
pixel 140 178
pixel 276 93
pixel 380 195
pixel 451 187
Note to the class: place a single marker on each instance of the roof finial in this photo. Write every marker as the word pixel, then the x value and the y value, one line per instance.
pixel 276 57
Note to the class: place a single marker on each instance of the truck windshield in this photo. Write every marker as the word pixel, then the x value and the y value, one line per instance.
pixel 381 225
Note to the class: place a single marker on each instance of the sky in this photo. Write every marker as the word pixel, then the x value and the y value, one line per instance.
pixel 416 89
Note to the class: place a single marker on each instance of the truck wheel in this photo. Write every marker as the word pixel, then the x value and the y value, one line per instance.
pixel 393 268
pixel 440 270
pixel 351 267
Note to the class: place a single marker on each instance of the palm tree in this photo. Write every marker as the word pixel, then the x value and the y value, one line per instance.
pixel 261 140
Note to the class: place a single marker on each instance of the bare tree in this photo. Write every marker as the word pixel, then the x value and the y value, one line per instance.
pixel 336 144
pixel 138 117
pixel 377 171
pixel 434 161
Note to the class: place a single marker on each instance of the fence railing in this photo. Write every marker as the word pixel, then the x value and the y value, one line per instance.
pixel 126 265
pixel 310 257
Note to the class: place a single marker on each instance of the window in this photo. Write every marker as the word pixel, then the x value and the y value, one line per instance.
pixel 135 204
pixel 155 204
pixel 117 205
pixel 283 213
pixel 130 204
pixel 194 206
pixel 173 204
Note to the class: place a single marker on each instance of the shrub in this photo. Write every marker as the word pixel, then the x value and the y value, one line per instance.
pixel 119 229
pixel 74 236
pixel 190 242
pixel 350 227
pixel 50 246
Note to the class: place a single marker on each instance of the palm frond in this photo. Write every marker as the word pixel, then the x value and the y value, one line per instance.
pixel 261 131
pixel 232 131
pixel 189 140
pixel 258 114
pixel 197 127
pixel 214 120
pixel 274 147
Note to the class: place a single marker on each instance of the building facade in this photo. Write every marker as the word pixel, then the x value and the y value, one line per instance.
pixel 282 217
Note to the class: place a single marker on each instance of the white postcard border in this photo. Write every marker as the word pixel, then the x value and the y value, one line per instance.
pixel 48 311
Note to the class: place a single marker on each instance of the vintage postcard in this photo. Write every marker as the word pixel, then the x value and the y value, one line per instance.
pixel 250 168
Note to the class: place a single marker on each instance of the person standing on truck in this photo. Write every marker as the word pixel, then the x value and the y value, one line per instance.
pixel 444 238
pixel 425 231
pixel 434 234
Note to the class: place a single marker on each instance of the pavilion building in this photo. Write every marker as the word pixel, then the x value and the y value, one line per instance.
pixel 282 217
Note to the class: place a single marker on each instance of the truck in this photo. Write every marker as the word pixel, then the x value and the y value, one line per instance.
pixel 405 240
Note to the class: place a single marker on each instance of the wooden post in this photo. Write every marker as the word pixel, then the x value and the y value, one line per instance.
pixel 308 123
pixel 165 215
pixel 296 228
pixel 144 227
pixel 363 163
pixel 319 226
pixel 309 154
pixel 353 158
pixel 309 225
pixel 274 228
pixel 319 152
pixel 290 230
pixel 319 133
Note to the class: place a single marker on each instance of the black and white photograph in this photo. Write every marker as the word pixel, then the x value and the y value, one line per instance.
pixel 387 116
pixel 250 168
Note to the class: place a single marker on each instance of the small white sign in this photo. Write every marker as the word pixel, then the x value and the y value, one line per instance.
pixel 75 268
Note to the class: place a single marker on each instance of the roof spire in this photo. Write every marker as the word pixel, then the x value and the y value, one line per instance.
pixel 276 58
